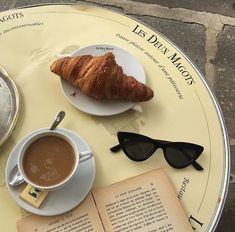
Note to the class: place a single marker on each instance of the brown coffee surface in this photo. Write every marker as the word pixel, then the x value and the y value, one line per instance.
pixel 48 160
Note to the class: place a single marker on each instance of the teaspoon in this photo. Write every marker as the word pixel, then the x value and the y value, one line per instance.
pixel 16 178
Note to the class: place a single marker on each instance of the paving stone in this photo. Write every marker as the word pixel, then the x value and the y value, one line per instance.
pixel 20 3
pixel 226 7
pixel 4 4
pixel 228 215
pixel 225 76
pixel 100 4
pixel 190 38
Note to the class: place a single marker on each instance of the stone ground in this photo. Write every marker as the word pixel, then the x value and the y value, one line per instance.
pixel 205 31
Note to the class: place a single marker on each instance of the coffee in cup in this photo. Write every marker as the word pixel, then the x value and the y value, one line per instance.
pixel 49 159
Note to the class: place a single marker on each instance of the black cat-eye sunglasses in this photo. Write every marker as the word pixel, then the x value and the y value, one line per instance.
pixel 138 147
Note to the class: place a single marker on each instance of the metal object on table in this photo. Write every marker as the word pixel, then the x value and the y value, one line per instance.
pixel 9 105
pixel 15 177
pixel 58 119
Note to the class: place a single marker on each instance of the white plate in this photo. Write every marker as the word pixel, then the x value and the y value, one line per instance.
pixel 130 66
pixel 66 198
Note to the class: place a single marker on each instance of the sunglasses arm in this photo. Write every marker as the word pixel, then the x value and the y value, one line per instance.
pixel 197 166
pixel 115 148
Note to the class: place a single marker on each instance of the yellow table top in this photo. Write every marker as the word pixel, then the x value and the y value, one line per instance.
pixel 183 108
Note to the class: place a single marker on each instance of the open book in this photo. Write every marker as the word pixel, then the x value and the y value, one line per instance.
pixel 144 203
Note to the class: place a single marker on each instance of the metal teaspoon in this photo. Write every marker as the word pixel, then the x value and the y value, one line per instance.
pixel 15 178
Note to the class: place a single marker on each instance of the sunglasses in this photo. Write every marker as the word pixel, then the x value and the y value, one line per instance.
pixel 138 148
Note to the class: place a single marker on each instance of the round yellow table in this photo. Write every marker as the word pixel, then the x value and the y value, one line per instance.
pixel 183 108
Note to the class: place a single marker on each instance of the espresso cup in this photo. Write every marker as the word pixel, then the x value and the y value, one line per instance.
pixel 49 159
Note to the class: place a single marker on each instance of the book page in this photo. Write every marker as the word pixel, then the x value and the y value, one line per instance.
pixel 145 203
pixel 83 218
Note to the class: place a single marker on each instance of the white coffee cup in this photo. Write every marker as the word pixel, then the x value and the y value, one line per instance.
pixel 79 157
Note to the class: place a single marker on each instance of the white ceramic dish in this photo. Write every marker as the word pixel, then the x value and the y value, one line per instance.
pixel 63 199
pixel 131 66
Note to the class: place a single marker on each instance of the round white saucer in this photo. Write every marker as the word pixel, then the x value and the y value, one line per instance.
pixel 69 196
pixel 131 66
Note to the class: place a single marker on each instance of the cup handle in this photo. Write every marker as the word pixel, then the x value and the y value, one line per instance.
pixel 85 155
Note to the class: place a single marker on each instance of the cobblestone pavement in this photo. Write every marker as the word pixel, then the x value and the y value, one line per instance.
pixel 205 31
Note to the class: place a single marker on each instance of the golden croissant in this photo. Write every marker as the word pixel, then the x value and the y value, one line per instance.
pixel 101 78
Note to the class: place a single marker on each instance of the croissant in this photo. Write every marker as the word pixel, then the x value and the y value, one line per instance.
pixel 101 78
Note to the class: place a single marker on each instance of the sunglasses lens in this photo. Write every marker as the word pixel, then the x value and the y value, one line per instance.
pixel 179 157
pixel 138 150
